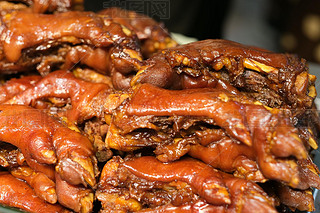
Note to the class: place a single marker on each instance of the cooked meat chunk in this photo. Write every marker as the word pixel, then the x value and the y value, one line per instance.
pixel 145 184
pixel 276 80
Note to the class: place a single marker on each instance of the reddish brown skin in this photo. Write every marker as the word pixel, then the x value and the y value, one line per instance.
pixel 200 206
pixel 38 181
pixel 12 158
pixel 309 174
pixel 16 193
pixel 15 86
pixel 121 81
pixel 159 73
pixel 63 84
pixel 69 143
pixel 46 169
pixel 202 53
pixel 246 196
pixel 17 128
pixel 113 62
pixel 257 121
pixel 70 195
pixel 104 60
pixel 191 171
pixel 147 29
pixel 101 38
pixel 21 26
pixel 206 137
pixel 204 81
pixel 295 199
pixel 209 50
pixel 147 94
pixel 228 155
pixel 40 6
pixel 33 131
pixel 98 58
pixel 149 100
pixel 261 122
pixel 166 69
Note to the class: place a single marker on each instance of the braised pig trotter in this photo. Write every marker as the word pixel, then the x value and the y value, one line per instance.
pixel 274 79
pixel 150 181
pixel 41 138
pixel 17 193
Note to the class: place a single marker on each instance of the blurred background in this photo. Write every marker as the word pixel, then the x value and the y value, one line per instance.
pixel 291 26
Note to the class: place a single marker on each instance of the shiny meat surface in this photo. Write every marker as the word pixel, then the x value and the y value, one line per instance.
pixel 274 79
pixel 17 193
pixel 86 97
pixel 116 122
pixel 265 134
pixel 179 184
pixel 46 42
